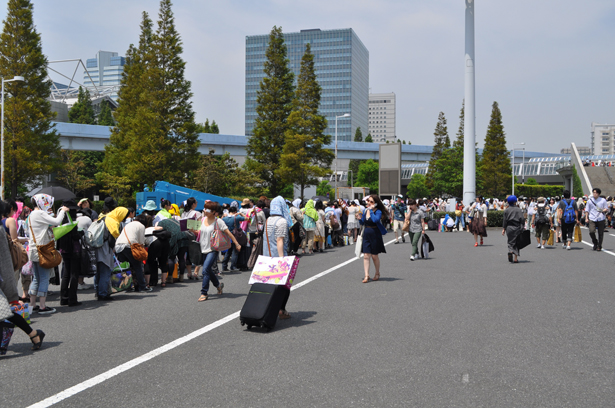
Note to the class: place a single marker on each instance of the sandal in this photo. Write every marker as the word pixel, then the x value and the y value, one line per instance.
pixel 220 287
pixel 163 285
pixel 365 280
pixel 284 315
pixel 41 335
pixel 376 277
pixel 202 298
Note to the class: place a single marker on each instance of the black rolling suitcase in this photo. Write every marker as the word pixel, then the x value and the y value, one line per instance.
pixel 262 305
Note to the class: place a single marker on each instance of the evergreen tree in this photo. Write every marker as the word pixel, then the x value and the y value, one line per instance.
pixel 441 143
pixel 417 188
pixel 496 160
pixel 155 137
pixel 404 142
pixel 105 117
pixel 304 157
pixel 368 175
pixel 369 139
pixel 207 127
pixel 214 127
pixel 459 141
pixel 358 135
pixel 31 145
pixel 274 104
pixel 82 111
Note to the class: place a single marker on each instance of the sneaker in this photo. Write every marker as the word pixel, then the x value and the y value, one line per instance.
pixel 403 240
pixel 36 308
pixel 46 310
pixel 220 287
pixel 542 247
pixel 396 242
pixel 537 245
pixel 568 247
pixel 411 258
pixel 148 289
pixel 84 286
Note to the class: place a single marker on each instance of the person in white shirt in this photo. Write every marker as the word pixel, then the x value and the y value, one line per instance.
pixel 595 214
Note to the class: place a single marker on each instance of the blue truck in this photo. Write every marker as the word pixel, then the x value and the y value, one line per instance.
pixel 176 195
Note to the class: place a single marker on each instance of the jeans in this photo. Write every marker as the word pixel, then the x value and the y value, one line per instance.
pixel 102 279
pixel 462 220
pixel 414 238
pixel 232 254
pixel 40 281
pixel 70 278
pixel 208 273
pixel 592 232
pixel 135 266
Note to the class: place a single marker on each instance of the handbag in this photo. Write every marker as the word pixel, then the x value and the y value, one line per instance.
pixel 19 256
pixel 26 270
pixel 59 232
pixel 551 237
pixel 219 240
pixel 257 250
pixel 239 234
pixel 406 227
pixel 524 239
pixel 358 249
pixel 578 235
pixel 139 253
pixel 48 255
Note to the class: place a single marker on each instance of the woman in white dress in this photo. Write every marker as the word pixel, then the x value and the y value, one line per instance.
pixel 353 224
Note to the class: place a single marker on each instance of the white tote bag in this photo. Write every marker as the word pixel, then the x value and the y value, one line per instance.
pixel 358 249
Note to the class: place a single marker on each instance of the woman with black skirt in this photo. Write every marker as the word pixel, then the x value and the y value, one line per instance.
pixel 372 234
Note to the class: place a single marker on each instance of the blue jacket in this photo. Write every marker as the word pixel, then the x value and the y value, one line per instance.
pixel 375 217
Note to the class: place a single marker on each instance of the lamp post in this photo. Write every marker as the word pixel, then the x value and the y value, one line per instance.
pixel 345 115
pixel 513 164
pixel 17 78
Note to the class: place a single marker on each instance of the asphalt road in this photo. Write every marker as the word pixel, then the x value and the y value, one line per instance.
pixel 462 329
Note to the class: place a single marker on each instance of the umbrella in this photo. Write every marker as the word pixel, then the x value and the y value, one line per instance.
pixel 59 193
pixel 321 198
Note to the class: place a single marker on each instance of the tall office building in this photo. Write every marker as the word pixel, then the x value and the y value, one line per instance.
pixel 341 62
pixel 382 117
pixel 105 72
pixel 602 139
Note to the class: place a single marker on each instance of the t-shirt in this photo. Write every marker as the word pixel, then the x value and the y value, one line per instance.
pixel 399 211
pixel 415 220
pixel 276 227
pixel 206 234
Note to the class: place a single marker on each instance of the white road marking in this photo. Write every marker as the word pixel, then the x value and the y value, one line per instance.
pixel 604 250
pixel 465 378
pixel 69 392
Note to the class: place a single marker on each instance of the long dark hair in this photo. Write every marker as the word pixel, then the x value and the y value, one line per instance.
pixel 189 203
pixel 379 204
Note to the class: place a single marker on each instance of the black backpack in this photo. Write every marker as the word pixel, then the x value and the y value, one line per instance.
pixel 541 215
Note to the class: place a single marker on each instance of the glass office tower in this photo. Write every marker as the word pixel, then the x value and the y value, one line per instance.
pixel 104 70
pixel 342 67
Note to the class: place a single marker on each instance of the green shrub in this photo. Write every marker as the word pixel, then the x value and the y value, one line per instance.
pixel 528 190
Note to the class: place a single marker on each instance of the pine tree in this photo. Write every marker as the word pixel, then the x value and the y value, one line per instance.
pixel 369 139
pixel 441 143
pixel 214 127
pixel 304 157
pixel 82 111
pixel 31 145
pixel 105 117
pixel 358 135
pixel 206 127
pixel 459 141
pixel 495 164
pixel 274 104
pixel 404 142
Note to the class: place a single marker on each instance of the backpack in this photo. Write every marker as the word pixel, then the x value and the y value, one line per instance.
pixel 541 215
pixel 569 215
pixel 95 234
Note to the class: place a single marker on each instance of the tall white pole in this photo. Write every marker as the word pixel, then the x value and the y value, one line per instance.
pixel 469 134
pixel 523 168
pixel 2 144
pixel 335 195
pixel 513 170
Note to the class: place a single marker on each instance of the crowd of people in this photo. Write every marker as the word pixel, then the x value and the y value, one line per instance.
pixel 160 247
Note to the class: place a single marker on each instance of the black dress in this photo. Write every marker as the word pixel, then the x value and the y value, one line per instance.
pixel 372 239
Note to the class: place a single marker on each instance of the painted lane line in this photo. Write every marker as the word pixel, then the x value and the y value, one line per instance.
pixel 604 250
pixel 76 389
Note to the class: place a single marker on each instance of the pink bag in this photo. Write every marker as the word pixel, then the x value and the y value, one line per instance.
pixel 275 271
pixel 219 240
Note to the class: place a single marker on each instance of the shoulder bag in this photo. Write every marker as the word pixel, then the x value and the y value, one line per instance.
pixel 139 253
pixel 219 240
pixel 239 234
pixel 19 256
pixel 48 256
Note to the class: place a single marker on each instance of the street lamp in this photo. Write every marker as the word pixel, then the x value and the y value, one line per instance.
pixel 345 115
pixel 17 78
pixel 513 164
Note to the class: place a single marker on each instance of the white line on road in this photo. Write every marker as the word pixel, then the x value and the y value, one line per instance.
pixel 69 392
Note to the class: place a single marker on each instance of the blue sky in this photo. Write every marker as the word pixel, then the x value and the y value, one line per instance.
pixel 550 64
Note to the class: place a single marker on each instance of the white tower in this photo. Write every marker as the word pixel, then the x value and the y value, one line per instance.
pixel 469 134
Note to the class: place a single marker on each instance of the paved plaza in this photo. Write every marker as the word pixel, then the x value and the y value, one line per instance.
pixel 462 329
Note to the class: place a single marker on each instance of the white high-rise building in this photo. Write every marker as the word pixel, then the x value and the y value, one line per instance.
pixel 381 117
pixel 104 73
pixel 603 139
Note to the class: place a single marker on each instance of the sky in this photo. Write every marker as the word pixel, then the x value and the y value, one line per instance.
pixel 550 64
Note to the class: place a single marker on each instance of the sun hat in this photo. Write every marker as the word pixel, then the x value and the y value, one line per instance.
pixel 150 206
pixel 245 201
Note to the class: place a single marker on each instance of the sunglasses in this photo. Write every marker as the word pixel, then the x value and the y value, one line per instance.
pixel 370 201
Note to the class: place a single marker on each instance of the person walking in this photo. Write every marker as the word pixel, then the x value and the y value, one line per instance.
pixel 310 217
pixel 568 219
pixel 513 225
pixel 416 216
pixel 399 214
pixel 460 216
pixel 478 221
pixel 595 216
pixel 373 244
pixel 541 222
pixel 70 249
pixel 320 236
